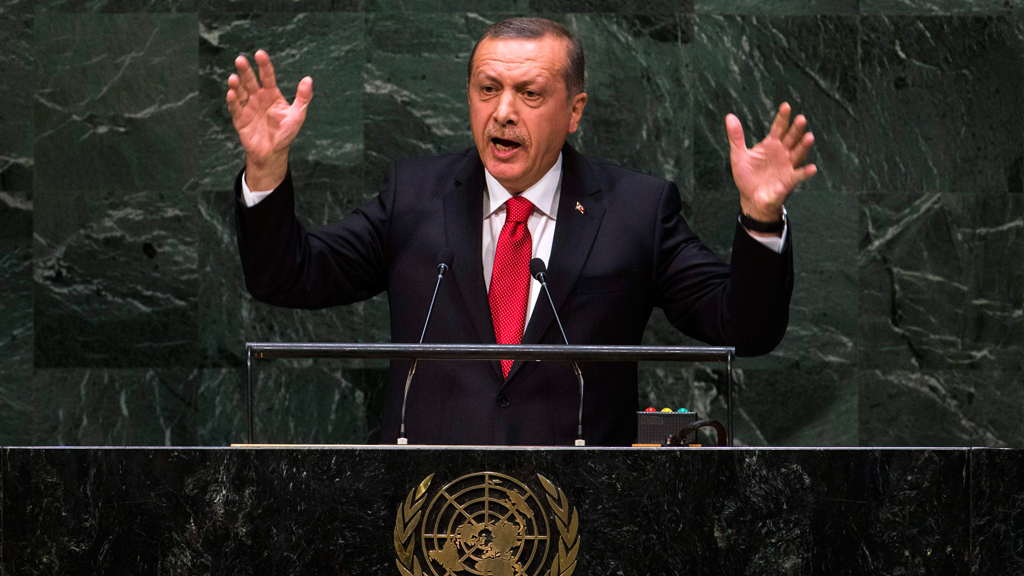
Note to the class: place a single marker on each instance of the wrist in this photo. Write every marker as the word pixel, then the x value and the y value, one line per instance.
pixel 266 174
pixel 764 214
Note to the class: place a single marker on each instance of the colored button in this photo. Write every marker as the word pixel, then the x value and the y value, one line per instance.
pixel 682 410
pixel 650 409
pixel 666 409
pixel 503 400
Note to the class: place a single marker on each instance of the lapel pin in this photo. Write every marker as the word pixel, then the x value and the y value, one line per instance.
pixel 579 207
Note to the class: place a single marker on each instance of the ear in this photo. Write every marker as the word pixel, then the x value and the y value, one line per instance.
pixel 579 102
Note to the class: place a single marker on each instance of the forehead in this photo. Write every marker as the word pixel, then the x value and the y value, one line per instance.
pixel 505 56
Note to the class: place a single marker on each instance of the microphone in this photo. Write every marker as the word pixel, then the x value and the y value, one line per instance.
pixel 444 260
pixel 539 271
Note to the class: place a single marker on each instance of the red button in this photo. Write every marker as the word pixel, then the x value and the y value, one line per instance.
pixel 651 409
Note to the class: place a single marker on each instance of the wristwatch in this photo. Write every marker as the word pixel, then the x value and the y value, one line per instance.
pixel 763 227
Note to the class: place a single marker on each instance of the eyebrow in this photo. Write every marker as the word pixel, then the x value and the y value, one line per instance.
pixel 533 81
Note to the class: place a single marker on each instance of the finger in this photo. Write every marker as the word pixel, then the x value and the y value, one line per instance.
pixel 235 84
pixel 232 100
pixel 303 94
pixel 734 129
pixel 799 154
pixel 795 132
pixel 247 76
pixel 781 122
pixel 804 174
pixel 267 77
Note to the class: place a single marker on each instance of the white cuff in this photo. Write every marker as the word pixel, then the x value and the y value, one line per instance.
pixel 254 198
pixel 775 244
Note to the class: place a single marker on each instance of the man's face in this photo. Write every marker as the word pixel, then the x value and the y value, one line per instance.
pixel 518 108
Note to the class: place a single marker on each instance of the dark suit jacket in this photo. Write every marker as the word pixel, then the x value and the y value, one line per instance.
pixel 629 251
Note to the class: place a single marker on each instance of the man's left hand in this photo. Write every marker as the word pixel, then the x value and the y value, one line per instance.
pixel 769 172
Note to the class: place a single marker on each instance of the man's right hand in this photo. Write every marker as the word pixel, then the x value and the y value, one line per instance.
pixel 265 122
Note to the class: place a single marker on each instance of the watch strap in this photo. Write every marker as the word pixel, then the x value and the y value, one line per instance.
pixel 764 227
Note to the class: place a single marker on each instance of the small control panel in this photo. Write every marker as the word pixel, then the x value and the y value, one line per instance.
pixel 654 426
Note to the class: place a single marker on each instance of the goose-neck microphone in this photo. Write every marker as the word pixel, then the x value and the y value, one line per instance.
pixel 539 271
pixel 444 263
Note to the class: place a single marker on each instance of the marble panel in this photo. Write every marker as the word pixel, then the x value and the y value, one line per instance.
pixel 115 6
pixel 639 88
pixel 415 85
pixel 545 7
pixel 997 512
pixel 329 48
pixel 699 512
pixel 507 7
pixel 261 7
pixel 941 408
pixel 941 281
pixel 143 512
pixel 322 402
pixel 115 102
pixel 750 65
pixel 814 406
pixel 103 407
pixel 936 7
pixel 939 102
pixel 777 7
pixel 115 279
pixel 15 313
pixel 16 63
pixel 229 317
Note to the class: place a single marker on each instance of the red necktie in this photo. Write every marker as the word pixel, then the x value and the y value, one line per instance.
pixel 510 279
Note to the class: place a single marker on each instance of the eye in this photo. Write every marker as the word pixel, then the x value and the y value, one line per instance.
pixel 488 89
pixel 531 94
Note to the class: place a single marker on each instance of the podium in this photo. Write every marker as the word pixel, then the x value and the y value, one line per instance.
pixel 393 510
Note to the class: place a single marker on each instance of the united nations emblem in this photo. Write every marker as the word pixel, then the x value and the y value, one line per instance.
pixel 487 524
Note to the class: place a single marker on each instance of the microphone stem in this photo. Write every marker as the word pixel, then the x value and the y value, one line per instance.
pixel 431 309
pixel 575 366
pixel 442 268
pixel 557 319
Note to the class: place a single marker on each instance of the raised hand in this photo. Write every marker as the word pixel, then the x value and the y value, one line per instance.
pixel 769 172
pixel 265 122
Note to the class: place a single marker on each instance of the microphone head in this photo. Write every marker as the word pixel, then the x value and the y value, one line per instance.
pixel 444 260
pixel 537 268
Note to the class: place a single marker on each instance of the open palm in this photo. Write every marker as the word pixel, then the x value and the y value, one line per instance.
pixel 266 123
pixel 769 172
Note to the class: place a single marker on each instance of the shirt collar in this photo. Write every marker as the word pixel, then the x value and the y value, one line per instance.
pixel 542 194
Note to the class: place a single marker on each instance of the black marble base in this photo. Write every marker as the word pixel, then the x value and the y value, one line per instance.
pixel 641 511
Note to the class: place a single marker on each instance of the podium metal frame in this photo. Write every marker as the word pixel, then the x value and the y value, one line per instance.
pixel 525 352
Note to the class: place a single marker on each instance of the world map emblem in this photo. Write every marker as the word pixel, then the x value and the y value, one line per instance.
pixel 486 523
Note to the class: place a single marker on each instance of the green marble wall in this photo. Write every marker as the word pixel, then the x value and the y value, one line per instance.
pixel 123 315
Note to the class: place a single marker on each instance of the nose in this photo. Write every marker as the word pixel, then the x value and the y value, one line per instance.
pixel 507 112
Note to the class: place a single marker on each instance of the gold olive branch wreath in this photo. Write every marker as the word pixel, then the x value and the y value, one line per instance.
pixel 566 519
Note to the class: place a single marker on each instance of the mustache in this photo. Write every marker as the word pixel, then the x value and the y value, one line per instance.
pixel 506 133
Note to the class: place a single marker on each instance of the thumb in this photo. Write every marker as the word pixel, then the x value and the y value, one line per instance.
pixel 303 94
pixel 735 131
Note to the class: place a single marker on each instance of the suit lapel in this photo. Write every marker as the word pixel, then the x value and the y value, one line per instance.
pixel 575 232
pixel 463 222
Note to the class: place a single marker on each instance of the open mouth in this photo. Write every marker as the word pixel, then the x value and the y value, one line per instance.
pixel 505 145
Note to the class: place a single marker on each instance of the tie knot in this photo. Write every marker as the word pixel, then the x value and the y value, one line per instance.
pixel 518 209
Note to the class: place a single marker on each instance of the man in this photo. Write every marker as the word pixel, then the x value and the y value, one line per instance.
pixel 613 239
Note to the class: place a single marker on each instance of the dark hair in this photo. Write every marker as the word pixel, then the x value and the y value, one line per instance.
pixel 531 29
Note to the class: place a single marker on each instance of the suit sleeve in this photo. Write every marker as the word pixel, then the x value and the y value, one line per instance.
pixel 285 265
pixel 744 304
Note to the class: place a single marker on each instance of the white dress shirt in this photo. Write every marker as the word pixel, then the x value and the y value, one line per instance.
pixel 544 196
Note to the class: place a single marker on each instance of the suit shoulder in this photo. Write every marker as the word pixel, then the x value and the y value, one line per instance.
pixel 430 173
pixel 615 179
